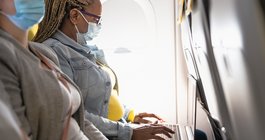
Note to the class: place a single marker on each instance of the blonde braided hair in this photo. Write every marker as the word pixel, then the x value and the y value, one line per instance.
pixel 55 12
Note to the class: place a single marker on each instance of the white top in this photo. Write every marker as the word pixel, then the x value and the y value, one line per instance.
pixel 71 98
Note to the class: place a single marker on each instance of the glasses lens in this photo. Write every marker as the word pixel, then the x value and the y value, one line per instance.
pixel 96 17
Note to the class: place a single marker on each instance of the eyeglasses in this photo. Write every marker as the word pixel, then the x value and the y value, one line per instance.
pixel 96 17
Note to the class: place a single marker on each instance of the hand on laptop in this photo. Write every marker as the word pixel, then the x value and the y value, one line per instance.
pixel 152 131
pixel 138 119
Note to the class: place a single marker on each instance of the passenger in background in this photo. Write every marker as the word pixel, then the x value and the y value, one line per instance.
pixel 47 103
pixel 66 28
pixel 9 128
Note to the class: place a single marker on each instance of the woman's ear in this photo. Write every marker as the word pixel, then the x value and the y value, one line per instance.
pixel 74 16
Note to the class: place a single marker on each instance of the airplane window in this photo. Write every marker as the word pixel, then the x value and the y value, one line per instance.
pixel 138 41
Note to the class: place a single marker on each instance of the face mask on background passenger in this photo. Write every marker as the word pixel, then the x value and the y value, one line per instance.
pixel 92 31
pixel 28 13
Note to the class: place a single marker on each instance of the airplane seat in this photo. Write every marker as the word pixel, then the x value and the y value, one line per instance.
pixel 206 124
pixel 189 56
pixel 32 32
pixel 237 37
pixel 204 121
pixel 207 70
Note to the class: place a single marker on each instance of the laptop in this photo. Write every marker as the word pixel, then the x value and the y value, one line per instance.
pixel 186 131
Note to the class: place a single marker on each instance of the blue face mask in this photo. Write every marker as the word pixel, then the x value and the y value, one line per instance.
pixel 92 32
pixel 28 13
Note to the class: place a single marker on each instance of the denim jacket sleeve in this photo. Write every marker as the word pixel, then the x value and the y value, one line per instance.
pixel 127 110
pixel 110 128
pixel 92 132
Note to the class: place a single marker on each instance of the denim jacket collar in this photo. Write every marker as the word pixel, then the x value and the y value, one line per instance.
pixel 60 36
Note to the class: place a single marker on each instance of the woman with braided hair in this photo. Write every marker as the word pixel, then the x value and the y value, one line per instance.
pixel 66 28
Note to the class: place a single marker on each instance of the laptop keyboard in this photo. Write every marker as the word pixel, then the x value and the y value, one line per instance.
pixel 175 128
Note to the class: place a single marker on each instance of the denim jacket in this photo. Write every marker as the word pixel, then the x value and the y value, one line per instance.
pixel 77 62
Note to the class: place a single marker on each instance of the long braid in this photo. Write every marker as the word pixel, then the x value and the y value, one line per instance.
pixel 55 11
